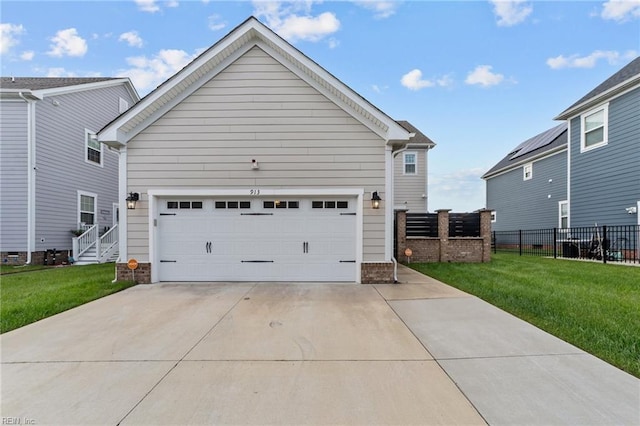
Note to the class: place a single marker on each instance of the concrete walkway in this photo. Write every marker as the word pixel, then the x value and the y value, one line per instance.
pixel 325 354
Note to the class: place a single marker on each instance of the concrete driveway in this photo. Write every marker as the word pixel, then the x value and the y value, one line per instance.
pixel 294 354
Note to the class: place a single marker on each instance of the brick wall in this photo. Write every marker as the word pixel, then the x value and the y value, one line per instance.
pixel 142 275
pixel 444 248
pixel 37 257
pixel 376 273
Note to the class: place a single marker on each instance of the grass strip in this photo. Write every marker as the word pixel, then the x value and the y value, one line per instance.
pixel 31 296
pixel 593 306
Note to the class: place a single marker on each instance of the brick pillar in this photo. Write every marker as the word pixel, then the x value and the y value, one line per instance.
pixel 485 233
pixel 401 232
pixel 443 234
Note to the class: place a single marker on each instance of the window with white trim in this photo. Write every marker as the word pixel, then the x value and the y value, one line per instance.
pixel 494 216
pixel 594 125
pixel 527 171
pixel 410 162
pixel 87 208
pixel 93 148
pixel 563 214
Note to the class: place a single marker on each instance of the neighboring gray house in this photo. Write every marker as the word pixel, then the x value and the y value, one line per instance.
pixel 411 172
pixel 55 176
pixel 604 152
pixel 582 172
pixel 253 163
pixel 527 189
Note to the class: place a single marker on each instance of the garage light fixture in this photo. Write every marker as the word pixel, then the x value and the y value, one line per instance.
pixel 131 200
pixel 375 200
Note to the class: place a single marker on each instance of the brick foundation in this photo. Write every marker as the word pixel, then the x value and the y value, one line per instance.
pixel 142 275
pixel 377 273
pixel 37 257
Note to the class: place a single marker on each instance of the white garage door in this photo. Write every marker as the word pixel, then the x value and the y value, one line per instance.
pixel 234 239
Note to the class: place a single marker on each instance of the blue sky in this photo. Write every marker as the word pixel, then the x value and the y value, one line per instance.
pixel 477 77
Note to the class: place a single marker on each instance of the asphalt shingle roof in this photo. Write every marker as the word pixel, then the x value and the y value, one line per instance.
pixel 419 138
pixel 629 71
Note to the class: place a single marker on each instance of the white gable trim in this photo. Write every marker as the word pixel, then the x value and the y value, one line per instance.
pixel 249 34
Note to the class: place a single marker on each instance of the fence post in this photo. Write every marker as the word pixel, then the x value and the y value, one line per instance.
pixel 555 243
pixel 520 241
pixel 495 243
pixel 604 244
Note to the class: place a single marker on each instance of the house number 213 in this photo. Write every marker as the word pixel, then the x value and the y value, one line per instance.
pixel 254 192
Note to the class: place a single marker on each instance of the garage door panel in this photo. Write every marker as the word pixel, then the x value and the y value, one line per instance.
pixel 258 243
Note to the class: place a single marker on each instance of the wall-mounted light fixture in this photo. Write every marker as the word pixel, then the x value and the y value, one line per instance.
pixel 632 210
pixel 255 165
pixel 131 200
pixel 375 200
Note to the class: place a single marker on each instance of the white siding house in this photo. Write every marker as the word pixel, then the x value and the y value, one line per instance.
pixel 253 163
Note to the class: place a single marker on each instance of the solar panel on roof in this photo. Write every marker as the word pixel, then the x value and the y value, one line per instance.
pixel 543 139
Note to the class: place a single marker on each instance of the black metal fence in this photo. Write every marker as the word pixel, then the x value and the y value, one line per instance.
pixel 601 243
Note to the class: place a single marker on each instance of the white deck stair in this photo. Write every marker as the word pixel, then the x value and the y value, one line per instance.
pixel 90 247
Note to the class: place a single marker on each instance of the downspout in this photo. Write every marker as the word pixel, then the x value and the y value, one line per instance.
pixel 122 217
pixel 393 173
pixel 31 172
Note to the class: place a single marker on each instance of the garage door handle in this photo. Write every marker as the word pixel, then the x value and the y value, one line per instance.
pixel 256 261
pixel 168 261
pixel 347 261
pixel 347 214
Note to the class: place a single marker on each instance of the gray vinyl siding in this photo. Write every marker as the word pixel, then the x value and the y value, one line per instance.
pixel 606 180
pixel 62 169
pixel 13 175
pixel 408 189
pixel 256 109
pixel 525 204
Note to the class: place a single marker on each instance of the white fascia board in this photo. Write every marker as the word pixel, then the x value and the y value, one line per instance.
pixel 81 87
pixel 19 94
pixel 614 92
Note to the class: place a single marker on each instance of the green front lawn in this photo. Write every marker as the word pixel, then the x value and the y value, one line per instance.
pixel 16 269
pixel 31 296
pixel 590 305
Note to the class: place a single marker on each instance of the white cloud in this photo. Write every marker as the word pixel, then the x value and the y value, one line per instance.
pixel 381 9
pixel 621 10
pixel 589 61
pixel 67 43
pixel 413 81
pixel 147 73
pixel 148 5
pixel 216 22
pixel 132 38
pixel 27 55
pixel 9 36
pixel 293 20
pixel 511 12
pixel 59 72
pixel 460 190
pixel 308 28
pixel 333 43
pixel 173 3
pixel 483 76
pixel 379 89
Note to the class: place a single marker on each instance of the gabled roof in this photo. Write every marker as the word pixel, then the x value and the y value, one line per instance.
pixel 419 140
pixel 545 143
pixel 215 59
pixel 38 87
pixel 624 79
